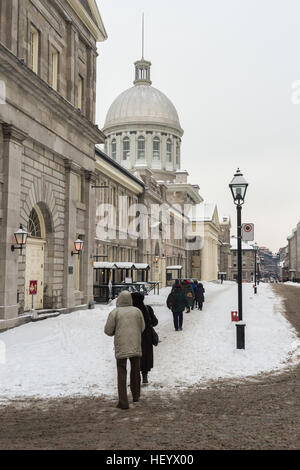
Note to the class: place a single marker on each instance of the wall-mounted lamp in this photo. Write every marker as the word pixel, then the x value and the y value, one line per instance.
pixel 78 247
pixel 156 259
pixel 21 239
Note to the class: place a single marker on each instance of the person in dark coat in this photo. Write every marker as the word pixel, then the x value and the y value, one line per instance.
pixel 200 295
pixel 177 302
pixel 195 303
pixel 189 293
pixel 147 346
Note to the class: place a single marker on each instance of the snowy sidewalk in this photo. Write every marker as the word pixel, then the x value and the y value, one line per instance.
pixel 71 355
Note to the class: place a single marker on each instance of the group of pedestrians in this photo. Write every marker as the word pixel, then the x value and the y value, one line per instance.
pixel 185 295
pixel 131 323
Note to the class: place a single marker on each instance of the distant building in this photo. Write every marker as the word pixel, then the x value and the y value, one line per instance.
pixel 269 264
pixel 284 263
pixel 225 259
pixel 248 260
pixel 294 254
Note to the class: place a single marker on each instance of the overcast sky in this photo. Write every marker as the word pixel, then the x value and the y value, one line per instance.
pixel 228 66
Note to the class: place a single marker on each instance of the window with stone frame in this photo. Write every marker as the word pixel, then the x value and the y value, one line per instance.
pixel 114 149
pixel 156 148
pixel 169 151
pixel 141 148
pixel 34 49
pixel 54 68
pixel 126 148
pixel 34 225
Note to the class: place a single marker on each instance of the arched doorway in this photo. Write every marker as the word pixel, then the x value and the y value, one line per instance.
pixel 35 259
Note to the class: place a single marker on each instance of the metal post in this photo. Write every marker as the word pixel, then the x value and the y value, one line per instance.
pixel 240 326
pixel 255 275
pixel 239 247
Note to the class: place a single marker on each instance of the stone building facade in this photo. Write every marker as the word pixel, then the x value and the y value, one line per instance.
pixel 225 261
pixel 294 254
pixel 248 261
pixel 47 167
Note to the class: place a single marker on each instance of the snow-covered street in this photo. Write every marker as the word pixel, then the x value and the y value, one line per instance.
pixel 71 355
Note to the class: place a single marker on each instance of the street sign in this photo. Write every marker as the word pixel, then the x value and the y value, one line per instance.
pixel 248 232
pixel 33 287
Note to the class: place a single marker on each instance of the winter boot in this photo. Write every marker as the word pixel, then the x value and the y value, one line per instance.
pixel 145 377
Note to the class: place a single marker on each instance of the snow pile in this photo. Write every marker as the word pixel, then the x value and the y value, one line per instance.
pixel 71 355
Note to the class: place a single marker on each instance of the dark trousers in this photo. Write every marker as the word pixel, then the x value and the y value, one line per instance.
pixel 135 380
pixel 200 305
pixel 178 319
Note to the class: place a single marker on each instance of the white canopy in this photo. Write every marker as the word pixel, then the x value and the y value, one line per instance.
pixel 120 265
pixel 174 267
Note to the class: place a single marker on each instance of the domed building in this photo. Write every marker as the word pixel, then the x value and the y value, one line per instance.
pixel 143 137
pixel 142 128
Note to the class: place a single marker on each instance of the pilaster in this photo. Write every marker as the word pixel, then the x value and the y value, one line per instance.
pixel 12 159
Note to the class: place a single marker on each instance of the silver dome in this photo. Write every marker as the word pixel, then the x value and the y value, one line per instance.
pixel 142 104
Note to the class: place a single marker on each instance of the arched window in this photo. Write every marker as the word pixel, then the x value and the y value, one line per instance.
pixel 156 148
pixel 141 148
pixel 114 149
pixel 126 148
pixel 169 151
pixel 34 225
pixel 177 154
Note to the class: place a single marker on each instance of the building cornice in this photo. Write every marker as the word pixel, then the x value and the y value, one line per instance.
pixel 117 173
pixel 185 187
pixel 17 71
pixel 96 27
pixel 141 125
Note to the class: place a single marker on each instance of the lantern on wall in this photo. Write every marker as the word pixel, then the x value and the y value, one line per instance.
pixel 21 239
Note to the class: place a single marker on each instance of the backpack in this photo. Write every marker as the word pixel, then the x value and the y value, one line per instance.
pixel 172 300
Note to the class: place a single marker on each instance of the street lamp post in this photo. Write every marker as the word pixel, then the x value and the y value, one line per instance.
pixel 238 188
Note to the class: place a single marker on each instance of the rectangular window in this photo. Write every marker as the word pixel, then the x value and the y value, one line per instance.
pixel 55 63
pixel 80 92
pixel 34 49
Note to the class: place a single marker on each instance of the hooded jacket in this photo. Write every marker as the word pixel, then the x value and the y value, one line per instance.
pixel 126 324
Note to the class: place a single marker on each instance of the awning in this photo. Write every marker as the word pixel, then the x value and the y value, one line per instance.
pixel 141 266
pixel 174 268
pixel 120 265
pixel 104 265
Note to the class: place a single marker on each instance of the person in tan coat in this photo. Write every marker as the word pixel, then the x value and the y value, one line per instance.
pixel 126 324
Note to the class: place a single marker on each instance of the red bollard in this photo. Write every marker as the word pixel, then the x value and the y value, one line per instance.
pixel 234 316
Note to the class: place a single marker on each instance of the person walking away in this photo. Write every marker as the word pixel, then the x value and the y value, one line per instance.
pixel 189 293
pixel 200 295
pixel 147 346
pixel 193 284
pixel 177 302
pixel 126 324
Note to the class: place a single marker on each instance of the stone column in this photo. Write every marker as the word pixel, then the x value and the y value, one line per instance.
pixel 12 160
pixel 89 243
pixel 72 170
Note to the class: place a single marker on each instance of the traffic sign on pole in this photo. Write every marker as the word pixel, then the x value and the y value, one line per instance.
pixel 248 232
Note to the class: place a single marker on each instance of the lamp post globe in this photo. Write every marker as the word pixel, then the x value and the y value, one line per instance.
pixel 238 187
